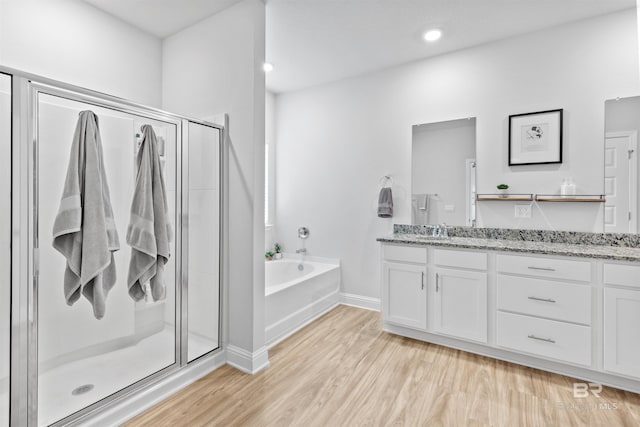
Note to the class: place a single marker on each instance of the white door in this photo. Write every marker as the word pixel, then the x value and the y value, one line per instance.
pixel 622 331
pixel 405 299
pixel 621 182
pixel 460 304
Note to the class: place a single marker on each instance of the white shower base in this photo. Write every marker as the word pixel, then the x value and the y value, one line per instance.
pixel 294 298
pixel 109 372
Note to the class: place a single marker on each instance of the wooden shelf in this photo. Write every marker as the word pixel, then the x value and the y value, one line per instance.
pixel 550 198
pixel 580 198
pixel 504 197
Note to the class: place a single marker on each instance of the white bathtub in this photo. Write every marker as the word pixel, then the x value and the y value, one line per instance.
pixel 296 297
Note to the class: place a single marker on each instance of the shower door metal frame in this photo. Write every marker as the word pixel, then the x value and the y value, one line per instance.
pixel 184 338
pixel 24 243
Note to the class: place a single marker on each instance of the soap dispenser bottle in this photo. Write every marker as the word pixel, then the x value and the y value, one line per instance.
pixel 564 187
pixel 568 187
pixel 571 188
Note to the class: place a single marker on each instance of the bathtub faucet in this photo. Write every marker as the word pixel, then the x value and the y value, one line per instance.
pixel 301 251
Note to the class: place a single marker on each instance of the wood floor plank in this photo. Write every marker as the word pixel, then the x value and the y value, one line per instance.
pixel 344 370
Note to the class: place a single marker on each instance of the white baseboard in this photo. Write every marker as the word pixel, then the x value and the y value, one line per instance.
pixel 246 361
pixel 294 322
pixel 120 411
pixel 360 301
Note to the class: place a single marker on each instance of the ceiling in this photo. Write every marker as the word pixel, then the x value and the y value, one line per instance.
pixel 162 18
pixel 311 42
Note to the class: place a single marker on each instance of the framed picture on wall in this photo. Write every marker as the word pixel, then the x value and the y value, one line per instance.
pixel 535 138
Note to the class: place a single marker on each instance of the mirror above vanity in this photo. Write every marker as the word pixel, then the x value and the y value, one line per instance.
pixel 621 181
pixel 443 174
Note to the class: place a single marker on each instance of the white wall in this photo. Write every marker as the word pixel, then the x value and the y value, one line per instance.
pixel 336 141
pixel 212 67
pixel 71 41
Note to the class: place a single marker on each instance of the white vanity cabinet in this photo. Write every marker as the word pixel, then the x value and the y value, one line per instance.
pixel 460 294
pixel 573 315
pixel 404 286
pixel 622 319
pixel 544 307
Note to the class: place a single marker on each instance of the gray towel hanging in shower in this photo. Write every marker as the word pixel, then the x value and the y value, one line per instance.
pixel 84 230
pixel 149 232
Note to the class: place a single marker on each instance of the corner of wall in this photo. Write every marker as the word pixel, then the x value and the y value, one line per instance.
pixel 248 362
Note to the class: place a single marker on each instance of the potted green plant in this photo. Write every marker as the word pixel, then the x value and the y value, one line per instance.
pixel 269 255
pixel 502 189
pixel 278 249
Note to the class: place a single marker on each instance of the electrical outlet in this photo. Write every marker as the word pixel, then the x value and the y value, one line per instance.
pixel 522 211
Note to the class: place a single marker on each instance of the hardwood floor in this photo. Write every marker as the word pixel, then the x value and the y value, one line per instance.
pixel 343 370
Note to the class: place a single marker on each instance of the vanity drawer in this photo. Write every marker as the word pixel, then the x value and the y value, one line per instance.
pixel 552 268
pixel 547 338
pixel 416 255
pixel 460 259
pixel 622 274
pixel 545 298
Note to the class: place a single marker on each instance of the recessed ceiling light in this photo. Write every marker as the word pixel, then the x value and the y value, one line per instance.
pixel 267 67
pixel 432 35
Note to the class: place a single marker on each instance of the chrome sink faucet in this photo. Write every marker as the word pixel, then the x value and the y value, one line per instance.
pixel 440 230
pixel 444 231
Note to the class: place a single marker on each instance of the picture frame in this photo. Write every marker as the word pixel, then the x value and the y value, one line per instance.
pixel 535 138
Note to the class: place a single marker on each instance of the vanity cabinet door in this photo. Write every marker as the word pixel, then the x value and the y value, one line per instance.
pixel 460 304
pixel 622 331
pixel 405 295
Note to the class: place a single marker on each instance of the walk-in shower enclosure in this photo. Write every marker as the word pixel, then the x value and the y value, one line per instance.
pixel 60 363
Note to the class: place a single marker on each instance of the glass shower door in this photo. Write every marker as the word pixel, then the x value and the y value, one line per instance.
pixel 5 245
pixel 203 291
pixel 91 346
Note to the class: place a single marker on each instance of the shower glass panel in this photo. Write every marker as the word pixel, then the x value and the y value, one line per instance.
pixel 204 237
pixel 81 358
pixel 5 239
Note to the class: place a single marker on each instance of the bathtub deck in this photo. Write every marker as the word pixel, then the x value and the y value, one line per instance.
pixel 343 370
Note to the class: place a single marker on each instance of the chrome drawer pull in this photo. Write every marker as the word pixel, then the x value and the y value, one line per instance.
pixel 542 299
pixel 542 268
pixel 437 282
pixel 533 337
pixel 422 280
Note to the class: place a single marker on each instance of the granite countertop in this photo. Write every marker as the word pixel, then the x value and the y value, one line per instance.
pixel 565 249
